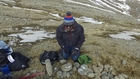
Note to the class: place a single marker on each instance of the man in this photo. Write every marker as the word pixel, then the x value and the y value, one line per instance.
pixel 70 37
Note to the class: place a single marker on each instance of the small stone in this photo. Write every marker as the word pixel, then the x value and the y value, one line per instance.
pixel 74 69
pixel 59 73
pixel 111 68
pixel 99 64
pixel 104 73
pixel 81 71
pixel 88 70
pixel 95 68
pixel 98 74
pixel 84 66
pixel 113 72
pixel 66 67
pixel 97 77
pixel 104 77
pixel 110 75
pixel 124 62
pixel 106 68
pixel 55 69
pixel 100 69
pixel 76 64
pixel 90 75
pixel 64 74
pixel 116 77
pixel 121 76
pixel 125 76
pixel 63 61
pixel 68 74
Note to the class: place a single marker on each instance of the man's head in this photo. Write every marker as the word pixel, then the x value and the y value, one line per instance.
pixel 68 19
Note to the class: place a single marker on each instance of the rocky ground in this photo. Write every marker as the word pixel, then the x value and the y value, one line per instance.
pixel 122 55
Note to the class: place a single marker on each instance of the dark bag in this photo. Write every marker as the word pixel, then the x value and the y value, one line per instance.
pixel 52 55
pixel 21 62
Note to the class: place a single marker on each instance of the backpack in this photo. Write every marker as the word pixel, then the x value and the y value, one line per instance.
pixel 5 50
pixel 52 55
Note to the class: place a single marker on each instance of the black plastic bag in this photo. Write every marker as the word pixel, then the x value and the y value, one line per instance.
pixel 52 55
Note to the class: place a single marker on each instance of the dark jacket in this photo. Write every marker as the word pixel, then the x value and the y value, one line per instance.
pixel 74 38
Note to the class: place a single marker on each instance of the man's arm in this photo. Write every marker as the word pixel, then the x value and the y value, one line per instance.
pixel 81 38
pixel 59 38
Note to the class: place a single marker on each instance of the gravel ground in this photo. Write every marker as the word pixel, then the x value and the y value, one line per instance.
pixel 98 45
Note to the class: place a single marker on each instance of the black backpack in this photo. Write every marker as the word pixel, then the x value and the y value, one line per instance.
pixel 52 55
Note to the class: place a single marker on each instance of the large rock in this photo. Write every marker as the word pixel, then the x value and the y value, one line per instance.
pixel 66 67
pixel 48 67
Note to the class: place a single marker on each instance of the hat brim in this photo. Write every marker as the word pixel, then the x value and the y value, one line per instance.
pixel 68 23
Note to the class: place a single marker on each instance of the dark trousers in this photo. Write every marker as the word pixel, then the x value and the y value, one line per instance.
pixel 69 53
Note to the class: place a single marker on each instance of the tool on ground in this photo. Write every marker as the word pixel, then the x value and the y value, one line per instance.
pixel 32 75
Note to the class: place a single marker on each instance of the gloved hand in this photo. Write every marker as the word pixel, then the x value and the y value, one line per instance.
pixel 65 50
pixel 75 51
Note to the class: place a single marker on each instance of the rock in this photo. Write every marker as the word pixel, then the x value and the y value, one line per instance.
pixel 97 77
pixel 90 75
pixel 64 74
pixel 63 61
pixel 81 71
pixel 55 69
pixel 74 69
pixel 116 77
pixel 95 68
pixel 84 66
pixel 99 64
pixel 121 76
pixel 105 77
pixel 100 68
pixel 66 67
pixel 110 75
pixel 48 67
pixel 113 72
pixel 124 62
pixel 68 74
pixel 106 68
pixel 76 64
pixel 59 73
pixel 111 68
pixel 88 70
pixel 125 76
pixel 98 74
pixel 104 73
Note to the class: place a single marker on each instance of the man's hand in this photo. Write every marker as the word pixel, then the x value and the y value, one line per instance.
pixel 75 51
pixel 65 50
